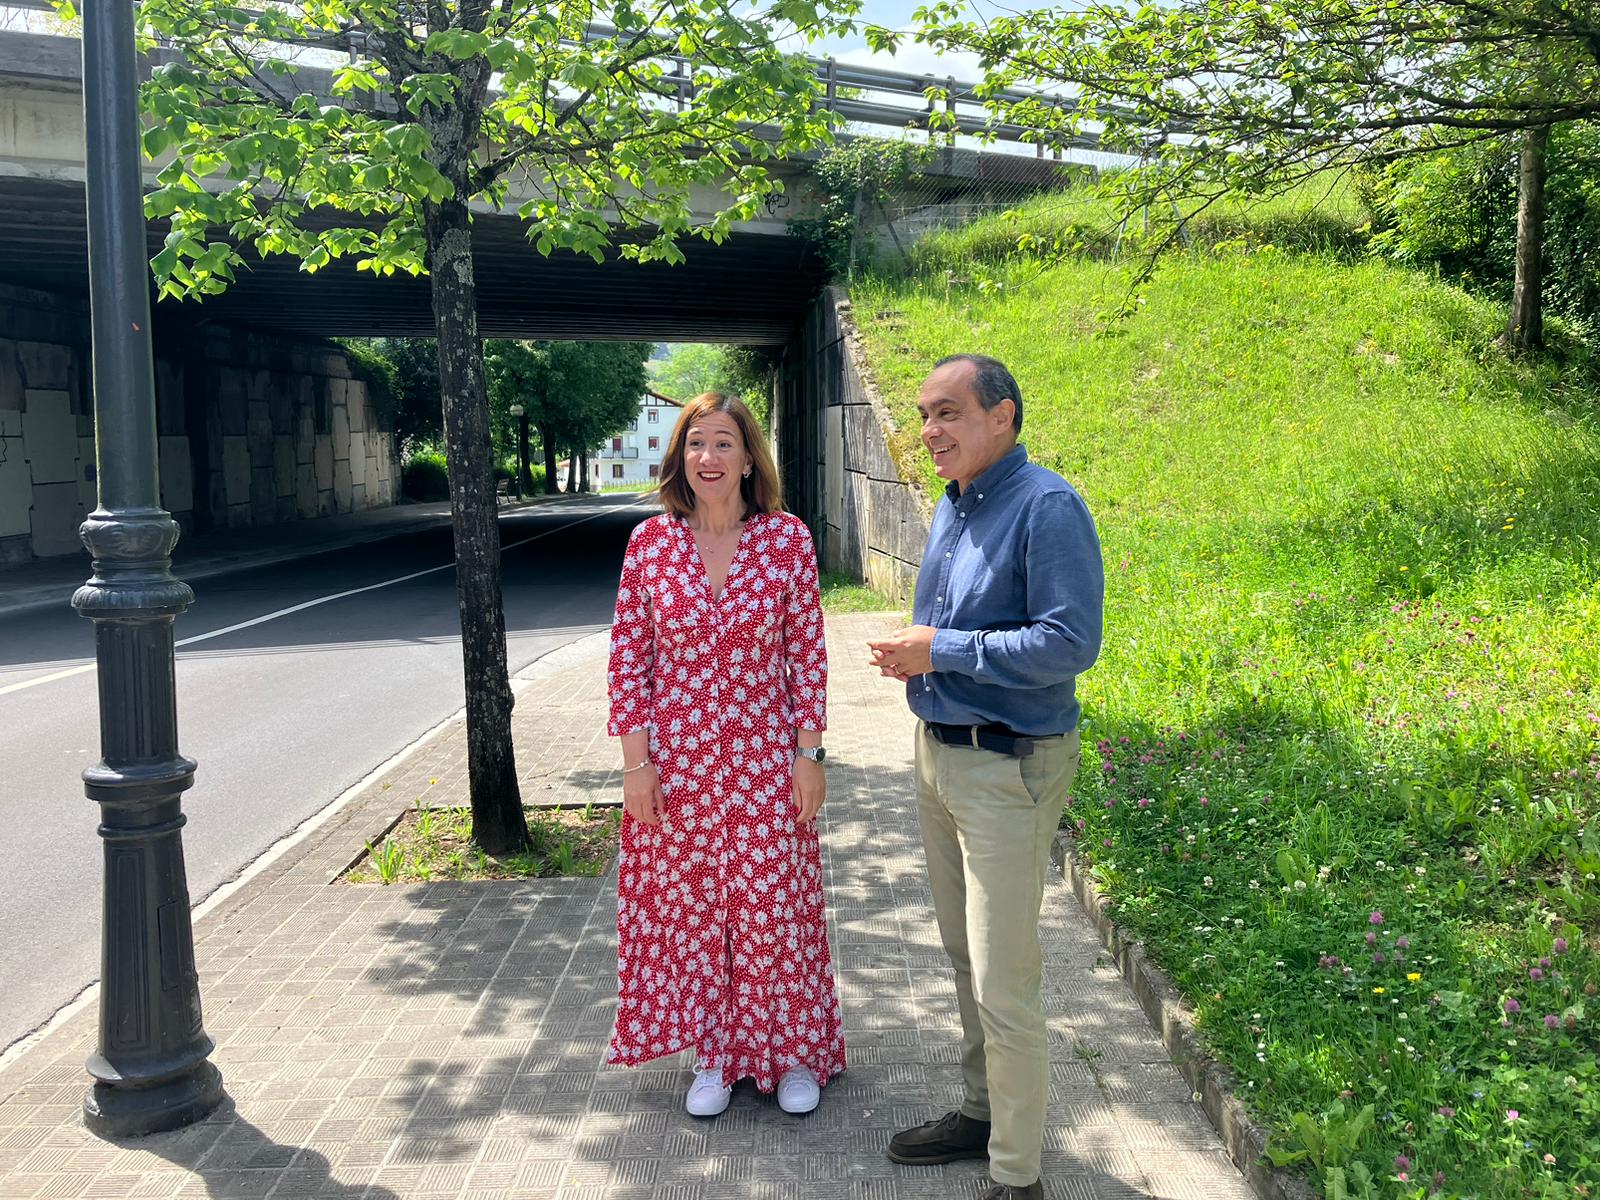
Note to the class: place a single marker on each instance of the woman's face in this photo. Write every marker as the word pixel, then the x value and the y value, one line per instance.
pixel 715 458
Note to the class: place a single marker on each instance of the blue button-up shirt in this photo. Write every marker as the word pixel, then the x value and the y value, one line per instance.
pixel 1013 582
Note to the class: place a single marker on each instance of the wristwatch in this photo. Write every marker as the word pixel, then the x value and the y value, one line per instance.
pixel 815 753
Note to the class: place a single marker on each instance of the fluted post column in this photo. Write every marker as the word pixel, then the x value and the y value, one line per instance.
pixel 151 1067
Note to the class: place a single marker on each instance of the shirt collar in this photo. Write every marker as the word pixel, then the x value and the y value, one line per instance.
pixel 993 475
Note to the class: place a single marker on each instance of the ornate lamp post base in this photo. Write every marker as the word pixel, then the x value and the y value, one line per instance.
pixel 112 1111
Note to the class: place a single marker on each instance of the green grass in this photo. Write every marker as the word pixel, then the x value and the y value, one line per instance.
pixel 436 843
pixel 1319 215
pixel 842 594
pixel 1348 700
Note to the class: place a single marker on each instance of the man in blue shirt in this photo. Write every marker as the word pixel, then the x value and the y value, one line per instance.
pixel 1008 614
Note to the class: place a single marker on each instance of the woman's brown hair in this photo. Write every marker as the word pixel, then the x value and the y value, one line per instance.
pixel 760 489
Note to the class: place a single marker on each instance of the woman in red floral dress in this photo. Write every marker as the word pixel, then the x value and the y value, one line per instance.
pixel 718 681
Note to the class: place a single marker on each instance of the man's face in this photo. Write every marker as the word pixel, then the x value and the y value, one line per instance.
pixel 963 437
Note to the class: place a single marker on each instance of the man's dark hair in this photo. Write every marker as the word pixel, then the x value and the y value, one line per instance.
pixel 992 381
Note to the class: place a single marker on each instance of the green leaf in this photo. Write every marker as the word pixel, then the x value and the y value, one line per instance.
pixel 457 43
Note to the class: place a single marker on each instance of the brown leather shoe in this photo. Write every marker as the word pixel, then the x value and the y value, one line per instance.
pixel 1010 1191
pixel 951 1138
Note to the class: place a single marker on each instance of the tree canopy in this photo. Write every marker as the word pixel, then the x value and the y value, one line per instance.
pixel 576 393
pixel 1223 97
pixel 367 130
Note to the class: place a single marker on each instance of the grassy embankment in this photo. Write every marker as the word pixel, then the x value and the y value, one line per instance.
pixel 1341 765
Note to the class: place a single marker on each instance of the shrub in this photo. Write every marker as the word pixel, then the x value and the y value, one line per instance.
pixel 1457 210
pixel 425 477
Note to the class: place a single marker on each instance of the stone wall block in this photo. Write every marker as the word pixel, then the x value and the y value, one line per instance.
pixel 281 400
pixel 170 415
pixel 46 366
pixel 283 464
pixel 11 386
pixel 231 399
pixel 358 458
pixel 342 483
pixel 263 495
pixel 88 488
pixel 305 439
pixel 50 432
pixel 341 432
pixel 177 475
pixel 324 463
pixel 57 514
pixel 16 489
pixel 357 398
pixel 305 490
pixel 236 470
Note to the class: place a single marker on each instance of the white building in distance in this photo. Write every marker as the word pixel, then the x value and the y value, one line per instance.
pixel 634 456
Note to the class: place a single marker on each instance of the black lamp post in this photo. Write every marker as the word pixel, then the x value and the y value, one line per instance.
pixel 151 1066
pixel 521 414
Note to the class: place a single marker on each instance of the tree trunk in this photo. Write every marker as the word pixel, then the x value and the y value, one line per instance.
pixel 498 824
pixel 552 474
pixel 583 471
pixel 1525 329
pixel 572 472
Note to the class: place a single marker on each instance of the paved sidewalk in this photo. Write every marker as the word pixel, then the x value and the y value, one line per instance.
pixel 446 1040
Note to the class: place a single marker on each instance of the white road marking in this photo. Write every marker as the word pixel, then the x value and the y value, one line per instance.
pixel 320 600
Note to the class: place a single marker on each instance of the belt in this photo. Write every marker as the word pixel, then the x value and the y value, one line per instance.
pixel 999 738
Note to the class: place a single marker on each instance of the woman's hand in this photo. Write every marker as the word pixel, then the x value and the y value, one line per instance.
pixel 810 789
pixel 641 794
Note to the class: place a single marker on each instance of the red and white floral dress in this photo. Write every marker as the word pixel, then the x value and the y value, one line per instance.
pixel 722 940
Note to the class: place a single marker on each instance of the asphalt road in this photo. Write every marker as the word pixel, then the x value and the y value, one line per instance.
pixel 282 715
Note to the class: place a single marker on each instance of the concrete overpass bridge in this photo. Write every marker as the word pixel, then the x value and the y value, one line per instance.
pixel 262 422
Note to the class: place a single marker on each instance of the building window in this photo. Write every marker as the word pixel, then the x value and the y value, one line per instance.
pixel 655 471
pixel 655 443
pixel 616 470
pixel 616 443
pixel 651 415
pixel 633 425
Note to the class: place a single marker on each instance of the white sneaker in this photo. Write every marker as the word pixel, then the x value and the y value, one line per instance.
pixel 708 1097
pixel 798 1091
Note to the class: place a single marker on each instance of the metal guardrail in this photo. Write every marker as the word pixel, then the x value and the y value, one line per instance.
pixel 943 109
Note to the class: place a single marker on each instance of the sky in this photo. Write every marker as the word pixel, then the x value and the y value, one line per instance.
pixel 897 14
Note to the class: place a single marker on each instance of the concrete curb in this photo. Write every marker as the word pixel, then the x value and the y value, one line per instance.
pixel 1212 1083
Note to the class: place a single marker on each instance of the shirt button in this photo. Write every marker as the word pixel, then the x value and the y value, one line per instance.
pixel 927 687
pixel 947 554
pixel 980 495
pixel 963 516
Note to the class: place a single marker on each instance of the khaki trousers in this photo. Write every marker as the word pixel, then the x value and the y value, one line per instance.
pixel 987 822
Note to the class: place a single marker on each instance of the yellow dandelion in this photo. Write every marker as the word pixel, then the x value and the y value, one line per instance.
pixel 1405 568
pixel 1377 991
pixel 1414 976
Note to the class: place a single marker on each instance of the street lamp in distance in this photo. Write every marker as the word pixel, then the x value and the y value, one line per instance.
pixel 521 414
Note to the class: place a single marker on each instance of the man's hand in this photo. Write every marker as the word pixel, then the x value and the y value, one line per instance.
pixel 905 653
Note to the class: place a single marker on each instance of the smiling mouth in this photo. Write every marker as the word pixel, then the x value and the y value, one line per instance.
pixel 712 476
pixel 940 451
